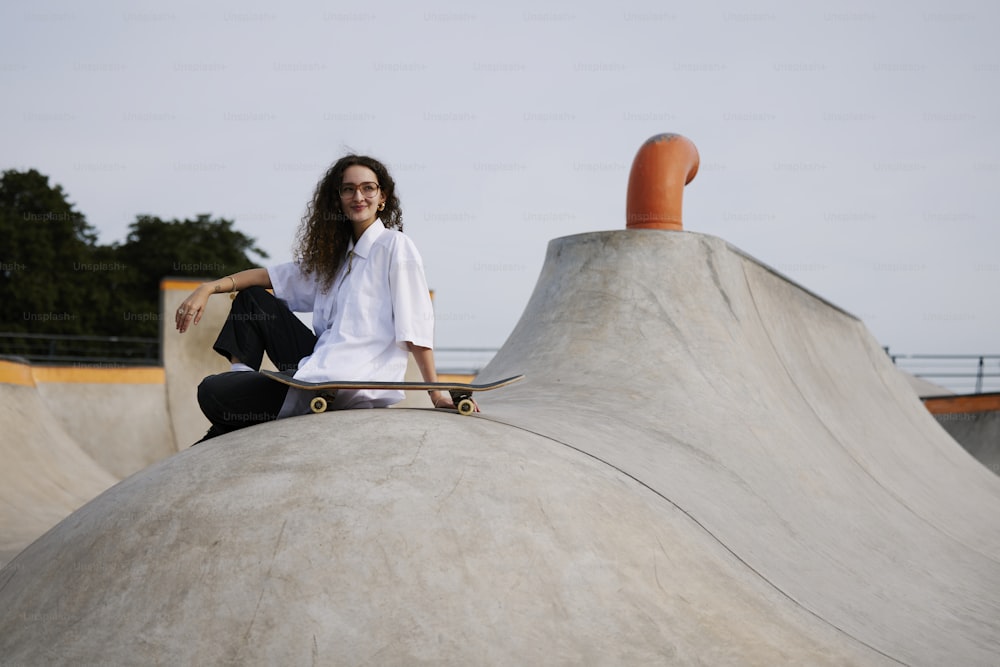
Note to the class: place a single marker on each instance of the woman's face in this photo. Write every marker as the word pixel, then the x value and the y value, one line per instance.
pixel 358 199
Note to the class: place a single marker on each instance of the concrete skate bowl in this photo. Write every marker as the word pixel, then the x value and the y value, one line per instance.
pixel 70 432
pixel 706 464
pixel 122 418
pixel 46 475
pixel 188 358
pixel 973 420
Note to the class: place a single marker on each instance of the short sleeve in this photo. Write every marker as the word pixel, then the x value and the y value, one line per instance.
pixel 412 310
pixel 293 287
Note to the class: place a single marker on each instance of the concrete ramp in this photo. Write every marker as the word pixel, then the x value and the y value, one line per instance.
pixel 776 422
pixel 68 433
pixel 395 537
pixel 706 464
pixel 979 433
pixel 44 474
pixel 188 358
pixel 974 421
pixel 117 415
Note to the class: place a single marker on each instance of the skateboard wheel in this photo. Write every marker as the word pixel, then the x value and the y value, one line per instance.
pixel 466 406
pixel 318 404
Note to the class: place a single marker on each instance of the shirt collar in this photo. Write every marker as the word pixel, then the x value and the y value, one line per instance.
pixel 367 240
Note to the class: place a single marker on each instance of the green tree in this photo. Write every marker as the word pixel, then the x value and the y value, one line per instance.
pixel 56 279
pixel 45 245
pixel 155 249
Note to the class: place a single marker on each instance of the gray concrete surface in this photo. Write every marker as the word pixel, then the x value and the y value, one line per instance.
pixel 777 422
pixel 188 358
pixel 123 426
pixel 978 432
pixel 69 433
pixel 395 537
pixel 44 474
pixel 706 464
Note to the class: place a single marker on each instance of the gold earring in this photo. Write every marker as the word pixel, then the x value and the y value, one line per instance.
pixel 381 206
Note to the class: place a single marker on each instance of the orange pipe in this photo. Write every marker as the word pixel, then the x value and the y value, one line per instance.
pixel 660 170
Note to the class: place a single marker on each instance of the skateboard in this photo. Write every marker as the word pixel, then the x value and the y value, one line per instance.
pixel 461 393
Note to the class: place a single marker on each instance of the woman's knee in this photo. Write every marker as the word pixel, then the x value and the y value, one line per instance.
pixel 210 394
pixel 252 294
pixel 239 398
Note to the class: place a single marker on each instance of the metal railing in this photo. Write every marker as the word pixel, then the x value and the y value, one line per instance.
pixel 959 373
pixel 462 360
pixel 133 351
pixel 62 349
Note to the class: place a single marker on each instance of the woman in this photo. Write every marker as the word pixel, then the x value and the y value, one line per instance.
pixel 364 283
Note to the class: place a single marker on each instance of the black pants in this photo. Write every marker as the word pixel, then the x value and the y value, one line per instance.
pixel 258 323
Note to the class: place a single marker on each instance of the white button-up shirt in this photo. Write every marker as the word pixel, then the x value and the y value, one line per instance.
pixel 377 303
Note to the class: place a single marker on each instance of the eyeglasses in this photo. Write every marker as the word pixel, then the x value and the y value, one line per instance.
pixel 368 190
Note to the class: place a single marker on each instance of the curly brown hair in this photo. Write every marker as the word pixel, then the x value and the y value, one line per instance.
pixel 323 236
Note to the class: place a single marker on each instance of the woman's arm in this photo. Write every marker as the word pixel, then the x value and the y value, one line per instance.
pixel 193 307
pixel 424 356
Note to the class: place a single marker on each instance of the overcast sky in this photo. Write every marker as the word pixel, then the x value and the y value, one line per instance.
pixel 854 146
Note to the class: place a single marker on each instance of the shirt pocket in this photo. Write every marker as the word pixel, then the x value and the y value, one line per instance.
pixel 362 314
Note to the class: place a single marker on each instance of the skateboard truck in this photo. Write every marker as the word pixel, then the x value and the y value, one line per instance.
pixel 463 401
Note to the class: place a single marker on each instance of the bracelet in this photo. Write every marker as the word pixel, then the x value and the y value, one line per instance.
pixel 234 283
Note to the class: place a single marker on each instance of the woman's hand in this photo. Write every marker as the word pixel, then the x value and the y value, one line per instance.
pixel 424 356
pixel 192 308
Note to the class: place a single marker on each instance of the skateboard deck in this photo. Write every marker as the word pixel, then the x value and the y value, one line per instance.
pixel 461 393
